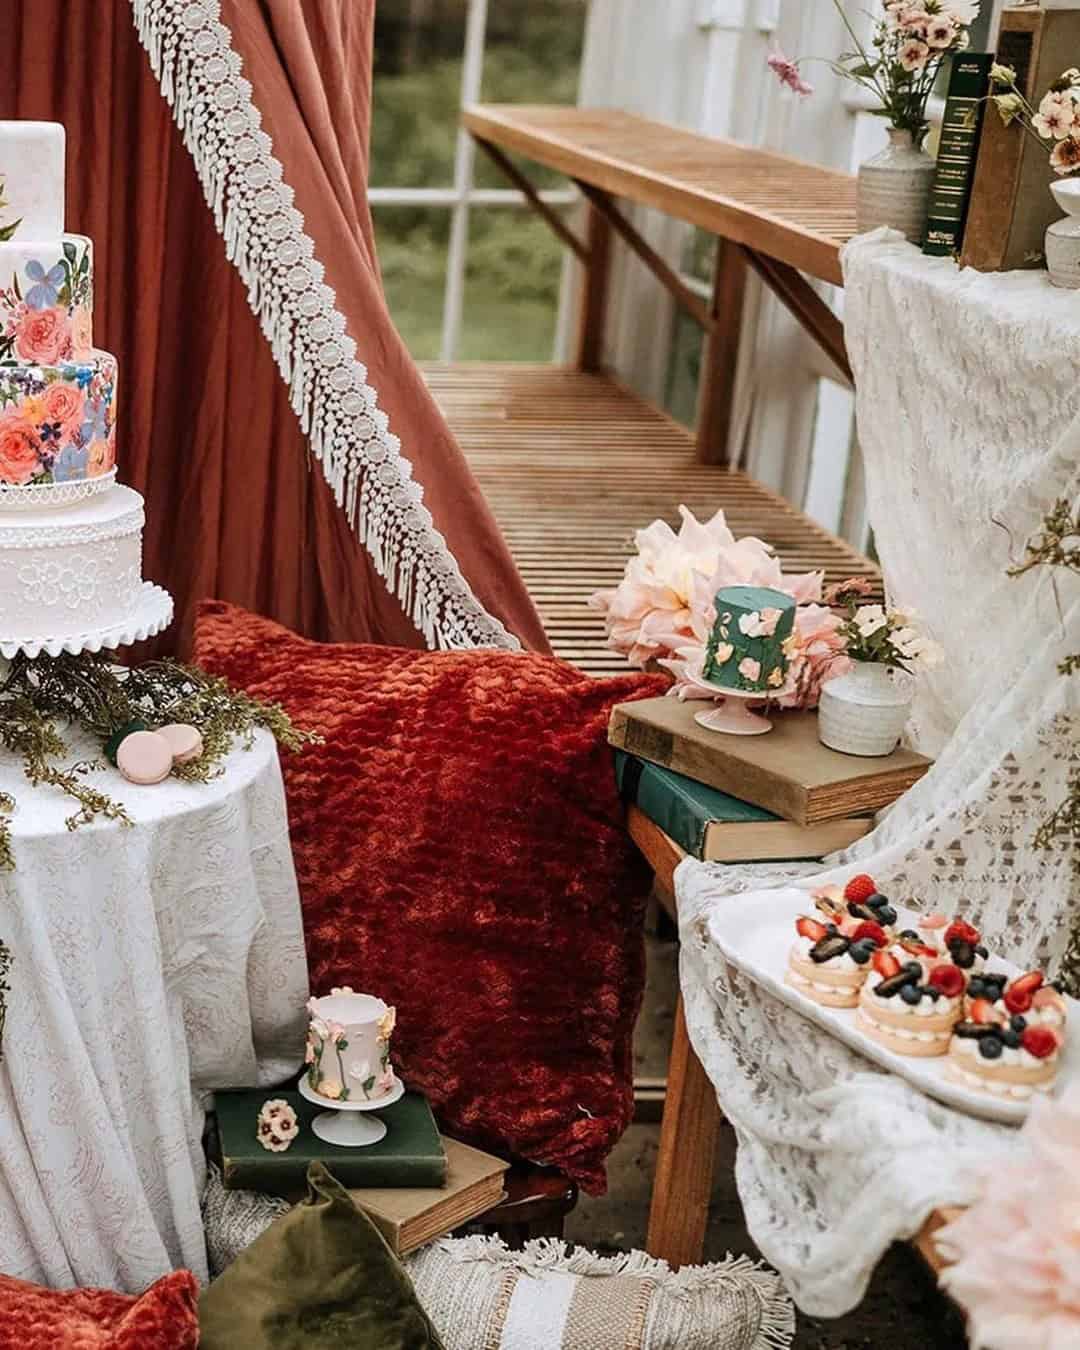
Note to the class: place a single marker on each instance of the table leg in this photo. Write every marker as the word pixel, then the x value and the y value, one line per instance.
pixel 684 1166
pixel 594 295
pixel 719 368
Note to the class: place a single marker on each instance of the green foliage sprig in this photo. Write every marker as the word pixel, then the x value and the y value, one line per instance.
pixel 90 692
pixel 1056 544
pixel 7 231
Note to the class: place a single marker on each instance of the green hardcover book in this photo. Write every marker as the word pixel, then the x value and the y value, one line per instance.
pixel 411 1153
pixel 950 193
pixel 715 827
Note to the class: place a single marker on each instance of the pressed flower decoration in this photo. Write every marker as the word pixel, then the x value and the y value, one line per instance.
pixel 900 63
pixel 888 637
pixel 663 609
pixel 1054 125
pixel 277 1125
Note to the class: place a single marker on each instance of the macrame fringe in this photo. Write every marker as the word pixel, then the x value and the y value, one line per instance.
pixel 543 1256
pixel 438 601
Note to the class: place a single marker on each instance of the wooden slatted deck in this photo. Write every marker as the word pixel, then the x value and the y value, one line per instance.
pixel 573 464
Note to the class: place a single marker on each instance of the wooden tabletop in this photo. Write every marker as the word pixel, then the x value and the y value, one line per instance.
pixel 793 211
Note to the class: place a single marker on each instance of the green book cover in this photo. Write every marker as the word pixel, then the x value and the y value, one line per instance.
pixel 411 1153
pixel 716 827
pixel 950 193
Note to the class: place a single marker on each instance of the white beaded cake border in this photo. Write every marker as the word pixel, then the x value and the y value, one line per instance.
pixel 191 52
pixel 34 496
pixel 151 615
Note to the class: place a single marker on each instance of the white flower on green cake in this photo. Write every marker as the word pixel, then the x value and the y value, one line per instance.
pixel 761 623
pixel 869 618
pixel 724 652
pixel 750 669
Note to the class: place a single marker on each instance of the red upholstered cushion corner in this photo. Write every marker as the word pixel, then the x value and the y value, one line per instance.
pixel 461 852
pixel 165 1317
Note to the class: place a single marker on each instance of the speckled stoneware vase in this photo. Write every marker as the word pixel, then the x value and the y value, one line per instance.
pixel 864 711
pixel 893 188
pixel 1063 236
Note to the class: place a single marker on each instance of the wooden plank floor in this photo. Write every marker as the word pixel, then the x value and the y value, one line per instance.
pixel 573 464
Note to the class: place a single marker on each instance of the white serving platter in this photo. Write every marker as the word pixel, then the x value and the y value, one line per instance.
pixel 757 938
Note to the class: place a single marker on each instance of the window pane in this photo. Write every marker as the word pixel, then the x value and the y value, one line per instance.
pixel 532 55
pixel 417 91
pixel 512 279
pixel 411 243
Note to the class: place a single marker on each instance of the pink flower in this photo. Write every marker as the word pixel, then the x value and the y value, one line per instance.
pixel 940 32
pixel 787 72
pixel 750 669
pixel 1025 1223
pixel 82 331
pixel 1065 156
pixel 385 1081
pixel 855 588
pixel 63 403
pixel 914 55
pixel 43 336
pixel 19 448
pixel 817 654
pixel 102 457
pixel 335 1032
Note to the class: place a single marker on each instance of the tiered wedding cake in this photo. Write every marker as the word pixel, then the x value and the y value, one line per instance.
pixel 70 537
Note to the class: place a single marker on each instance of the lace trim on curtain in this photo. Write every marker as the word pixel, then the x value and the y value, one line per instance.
pixel 191 54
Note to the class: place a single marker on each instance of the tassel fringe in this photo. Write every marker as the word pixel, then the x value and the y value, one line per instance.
pixel 191 53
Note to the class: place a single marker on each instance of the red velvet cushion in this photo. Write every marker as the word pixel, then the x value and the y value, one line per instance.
pixel 164 1318
pixel 461 853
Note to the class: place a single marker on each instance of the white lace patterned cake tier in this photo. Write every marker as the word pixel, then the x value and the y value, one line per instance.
pixel 71 570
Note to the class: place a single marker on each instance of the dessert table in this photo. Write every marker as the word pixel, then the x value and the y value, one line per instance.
pixel 968 424
pixel 152 963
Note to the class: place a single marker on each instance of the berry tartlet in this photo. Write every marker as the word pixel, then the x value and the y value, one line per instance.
pixel 829 966
pixel 908 1008
pixel 1003 1053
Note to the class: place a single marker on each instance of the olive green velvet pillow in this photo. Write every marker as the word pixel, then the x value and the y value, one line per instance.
pixel 320 1278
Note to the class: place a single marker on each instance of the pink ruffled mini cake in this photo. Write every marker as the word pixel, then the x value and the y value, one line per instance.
pixel 348 1047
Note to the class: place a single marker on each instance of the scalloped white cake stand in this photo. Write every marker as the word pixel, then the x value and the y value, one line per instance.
pixel 151 615
pixel 347 1129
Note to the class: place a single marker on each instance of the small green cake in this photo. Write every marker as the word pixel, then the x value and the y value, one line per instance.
pixel 747 647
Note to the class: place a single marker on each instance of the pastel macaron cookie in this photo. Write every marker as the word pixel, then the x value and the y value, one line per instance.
pixel 184 741
pixel 144 757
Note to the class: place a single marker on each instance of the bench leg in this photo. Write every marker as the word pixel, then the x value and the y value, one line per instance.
pixel 687 1157
pixel 720 364
pixel 594 295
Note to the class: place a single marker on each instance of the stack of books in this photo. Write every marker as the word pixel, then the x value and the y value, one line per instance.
pixel 779 797
pixel 414 1184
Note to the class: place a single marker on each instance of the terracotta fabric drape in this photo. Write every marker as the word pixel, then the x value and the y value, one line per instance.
pixel 236 506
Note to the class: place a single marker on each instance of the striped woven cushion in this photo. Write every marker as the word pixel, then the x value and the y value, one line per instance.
pixel 482 1296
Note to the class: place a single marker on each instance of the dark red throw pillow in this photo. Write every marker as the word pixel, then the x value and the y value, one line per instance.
pixel 460 849
pixel 165 1317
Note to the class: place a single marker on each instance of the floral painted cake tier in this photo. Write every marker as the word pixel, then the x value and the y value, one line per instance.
pixel 57 422
pixel 348 1047
pixel 748 645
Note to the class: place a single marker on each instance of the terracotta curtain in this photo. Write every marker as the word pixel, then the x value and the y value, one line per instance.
pixel 237 507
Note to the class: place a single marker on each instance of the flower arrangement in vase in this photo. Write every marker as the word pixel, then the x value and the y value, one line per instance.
pixel 863 712
pixel 898 68
pixel 1055 127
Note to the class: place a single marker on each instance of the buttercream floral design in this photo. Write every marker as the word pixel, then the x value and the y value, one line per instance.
pixel 45 312
pixel 750 669
pixel 57 422
pixel 277 1125
pixel 761 623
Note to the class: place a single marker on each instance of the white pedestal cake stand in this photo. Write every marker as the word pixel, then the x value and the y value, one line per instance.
pixel 733 716
pixel 151 615
pixel 347 1129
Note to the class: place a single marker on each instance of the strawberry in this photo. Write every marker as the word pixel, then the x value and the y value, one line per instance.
pixel 949 979
pixel 982 1011
pixel 869 929
pixel 810 928
pixel 860 888
pixel 1027 984
pixel 1017 1000
pixel 885 964
pixel 959 931
pixel 1039 1041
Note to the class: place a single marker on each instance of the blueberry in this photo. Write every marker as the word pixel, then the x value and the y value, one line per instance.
pixel 911 993
pixel 876 900
pixel 980 950
pixel 914 966
pixel 975 987
pixel 1010 1038
pixel 963 954
pixel 861 951
pixel 1018 1022
pixel 990 1047
pixel 886 914
pixel 932 993
pixel 831 928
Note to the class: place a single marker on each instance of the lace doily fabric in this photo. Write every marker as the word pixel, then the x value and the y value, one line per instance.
pixel 152 962
pixel 193 55
pixel 966 405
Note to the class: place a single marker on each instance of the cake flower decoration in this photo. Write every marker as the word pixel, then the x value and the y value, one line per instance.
pixel 277 1125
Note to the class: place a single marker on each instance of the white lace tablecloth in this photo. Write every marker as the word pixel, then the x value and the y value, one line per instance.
pixel 151 962
pixel 967 412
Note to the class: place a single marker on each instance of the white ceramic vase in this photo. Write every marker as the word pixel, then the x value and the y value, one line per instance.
pixel 1063 236
pixel 893 188
pixel 864 711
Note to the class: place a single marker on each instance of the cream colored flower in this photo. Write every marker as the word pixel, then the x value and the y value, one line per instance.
pixel 724 652
pixel 1056 116
pixel 914 55
pixel 387 1023
pixel 1003 76
pixel 361 1071
pixel 869 618
pixel 330 1087
pixel 1009 106
pixel 775 678
pixel 940 33
pixel 319 1027
pixel 1065 156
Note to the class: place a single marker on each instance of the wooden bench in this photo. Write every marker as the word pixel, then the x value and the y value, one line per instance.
pixel 778 215
pixel 692 1118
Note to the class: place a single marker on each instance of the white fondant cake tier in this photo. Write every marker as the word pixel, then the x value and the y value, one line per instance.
pixel 46 298
pixel 73 569
pixel 32 169
pixel 348 1047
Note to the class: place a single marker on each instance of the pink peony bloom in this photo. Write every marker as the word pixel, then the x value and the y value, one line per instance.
pixel 817 654
pixel 43 336
pixel 1027 1224
pixel 63 403
pixel 787 72
pixel 19 448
